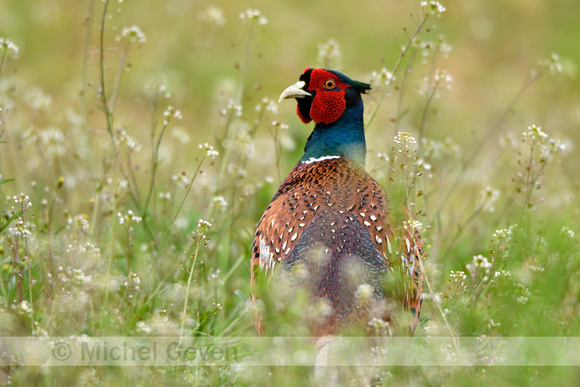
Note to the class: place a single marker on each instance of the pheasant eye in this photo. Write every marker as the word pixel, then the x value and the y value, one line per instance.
pixel 329 84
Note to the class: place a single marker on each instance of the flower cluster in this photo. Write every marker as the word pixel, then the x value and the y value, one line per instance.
pixel 279 125
pixel 134 34
pixel 503 236
pixel 536 137
pixel 200 234
pixel 80 221
pixel 203 225
pixel 383 77
pixel 181 179
pixel 84 248
pixel 457 282
pixel 491 324
pixel 568 232
pixel 212 15
pixel 251 15
pixel 329 55
pixel 180 135
pixel 21 228
pixel 479 266
pixel 433 7
pixel 169 113
pixel 553 63
pixel 142 327
pixel 156 89
pixel 523 293
pixel 24 308
pixel 22 199
pixel 165 196
pixel 219 203
pixel 7 45
pixel 412 225
pixel 233 109
pixel 36 98
pixel 404 144
pixel 378 327
pixel 267 105
pixel 487 199
pixel 79 277
pixel 442 77
pixel 404 151
pixel 125 140
pixel 52 141
pixel 209 151
pixel 128 218
pixel 432 84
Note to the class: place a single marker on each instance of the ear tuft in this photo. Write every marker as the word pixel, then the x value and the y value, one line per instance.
pixel 361 87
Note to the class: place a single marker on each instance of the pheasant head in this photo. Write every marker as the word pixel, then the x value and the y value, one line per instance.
pixel 333 101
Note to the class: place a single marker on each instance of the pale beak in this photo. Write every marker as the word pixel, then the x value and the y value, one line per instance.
pixel 295 91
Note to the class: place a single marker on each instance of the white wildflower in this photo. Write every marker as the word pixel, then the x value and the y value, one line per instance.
pixel 412 225
pixel 134 33
pixel 492 324
pixel 8 45
pixel 220 203
pixel 488 197
pixel 37 98
pixel 142 327
pixel 124 139
pixel 79 277
pixel 232 109
pixel 180 135
pixel 433 7
pixel 329 55
pixel 209 151
pixel 24 308
pixel 479 266
pixel 568 232
pixel 251 15
pixel 212 15
pixel 442 77
pixel 166 196
pixel 406 141
pixel 523 293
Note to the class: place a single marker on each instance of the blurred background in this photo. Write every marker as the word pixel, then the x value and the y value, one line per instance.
pixel 204 55
pixel 179 74
pixel 196 46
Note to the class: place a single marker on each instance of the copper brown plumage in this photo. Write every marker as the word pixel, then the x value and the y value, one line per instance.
pixel 329 216
pixel 333 205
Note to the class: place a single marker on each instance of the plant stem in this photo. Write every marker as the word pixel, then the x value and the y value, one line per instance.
pixel 396 69
pixel 164 238
pixel 527 83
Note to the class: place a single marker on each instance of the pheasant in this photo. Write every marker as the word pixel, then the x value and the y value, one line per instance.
pixel 328 224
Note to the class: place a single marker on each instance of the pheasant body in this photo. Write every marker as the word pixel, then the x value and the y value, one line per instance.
pixel 329 217
pixel 328 224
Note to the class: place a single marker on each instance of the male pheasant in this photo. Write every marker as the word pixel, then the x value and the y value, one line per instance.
pixel 328 224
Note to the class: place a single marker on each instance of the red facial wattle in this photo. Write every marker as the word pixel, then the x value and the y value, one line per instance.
pixel 328 106
pixel 328 103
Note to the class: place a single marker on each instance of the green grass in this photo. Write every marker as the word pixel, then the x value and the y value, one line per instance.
pixel 135 229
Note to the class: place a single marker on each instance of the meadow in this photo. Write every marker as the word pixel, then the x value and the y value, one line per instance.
pixel 140 143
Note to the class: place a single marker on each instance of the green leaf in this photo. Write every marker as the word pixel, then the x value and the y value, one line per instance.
pixel 16 215
pixel 5 181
